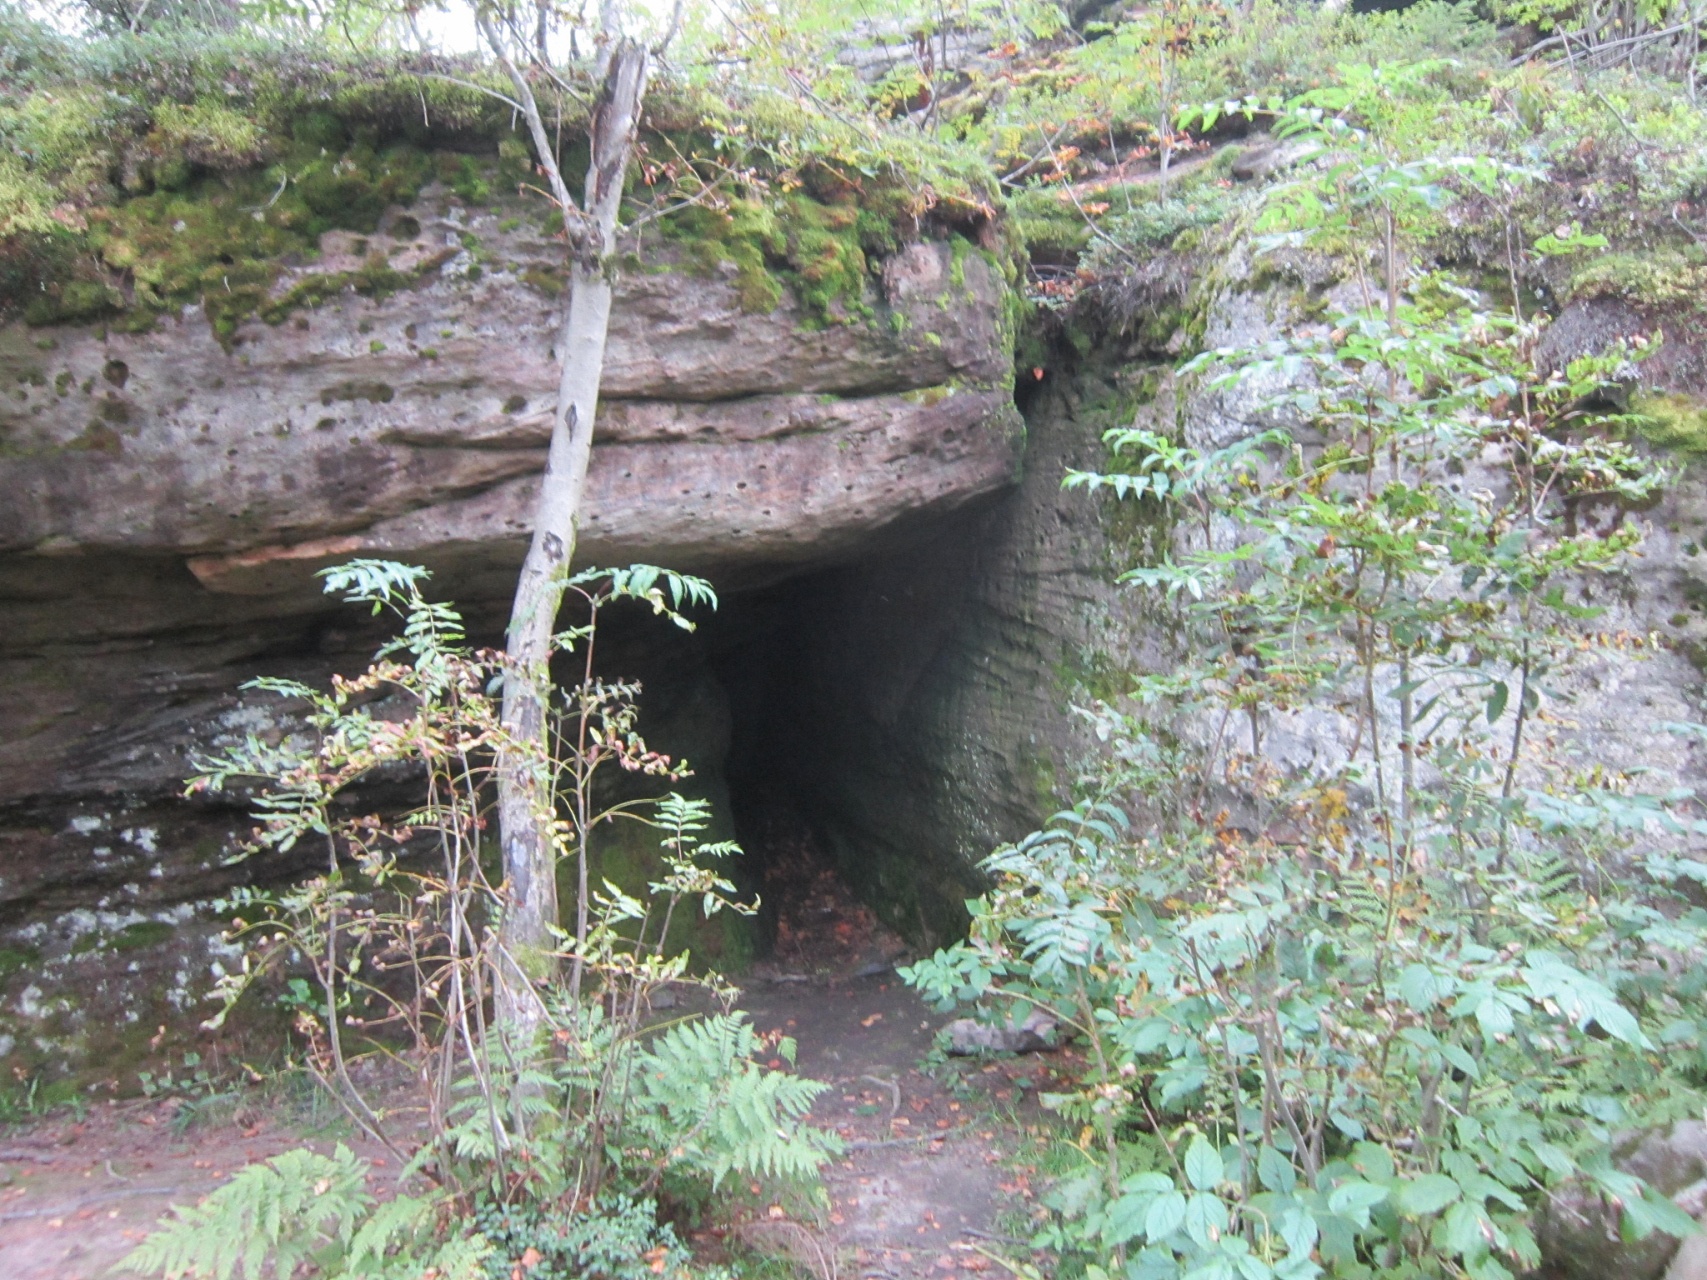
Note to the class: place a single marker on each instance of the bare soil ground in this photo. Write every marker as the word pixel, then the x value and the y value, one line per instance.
pixel 927 1176
pixel 930 1169
pixel 79 1192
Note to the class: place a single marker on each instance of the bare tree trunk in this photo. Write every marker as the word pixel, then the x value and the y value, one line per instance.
pixel 525 792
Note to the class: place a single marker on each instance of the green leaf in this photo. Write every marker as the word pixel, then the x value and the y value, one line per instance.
pixel 1373 1161
pixel 1661 1214
pixel 1497 701
pixel 1354 1198
pixel 1203 1164
pixel 1166 1216
pixel 1428 1194
pixel 1205 1218
pixel 1461 1059
pixel 1421 986
pixel 1276 1171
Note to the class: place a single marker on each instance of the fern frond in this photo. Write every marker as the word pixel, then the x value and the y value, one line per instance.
pixel 720 1112
pixel 285 1210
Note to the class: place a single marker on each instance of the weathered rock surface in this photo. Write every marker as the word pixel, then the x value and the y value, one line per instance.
pixel 934 720
pixel 167 499
pixel 968 1037
pixel 335 432
pixel 1577 1228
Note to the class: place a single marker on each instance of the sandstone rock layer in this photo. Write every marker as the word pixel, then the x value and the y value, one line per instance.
pixel 167 499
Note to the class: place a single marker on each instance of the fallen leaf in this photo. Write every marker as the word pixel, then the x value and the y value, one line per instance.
pixel 837 1219
pixel 866 1022
pixel 531 1258
pixel 775 1211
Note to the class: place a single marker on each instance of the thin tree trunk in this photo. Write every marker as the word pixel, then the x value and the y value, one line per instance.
pixel 525 790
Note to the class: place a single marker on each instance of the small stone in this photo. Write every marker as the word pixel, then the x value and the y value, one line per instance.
pixel 967 1037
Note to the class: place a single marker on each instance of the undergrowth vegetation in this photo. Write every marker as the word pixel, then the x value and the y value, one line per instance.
pixel 142 174
pixel 557 1144
pixel 1382 1014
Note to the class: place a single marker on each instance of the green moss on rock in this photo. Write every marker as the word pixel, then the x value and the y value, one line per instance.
pixel 1675 422
pixel 1660 277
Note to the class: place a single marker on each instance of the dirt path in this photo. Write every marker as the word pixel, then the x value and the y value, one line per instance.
pixel 925 1182
pixel 77 1194
pixel 927 1175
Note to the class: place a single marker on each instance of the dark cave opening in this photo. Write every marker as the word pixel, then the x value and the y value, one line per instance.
pixel 814 710
pixel 745 700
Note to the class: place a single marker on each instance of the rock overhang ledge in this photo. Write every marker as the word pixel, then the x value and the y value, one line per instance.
pixel 414 426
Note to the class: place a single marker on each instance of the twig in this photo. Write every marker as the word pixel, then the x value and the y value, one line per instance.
pixel 478 88
pixel 894 1087
pixel 18 1157
pixel 993 1256
pixel 283 183
pixel 991 1235
pixel 1048 150
pixel 1687 229
pixel 662 48
pixel 688 202
pixel 1622 122
pixel 827 1267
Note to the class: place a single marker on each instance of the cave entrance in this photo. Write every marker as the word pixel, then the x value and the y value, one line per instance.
pixel 768 653
pixel 831 719
pixel 811 922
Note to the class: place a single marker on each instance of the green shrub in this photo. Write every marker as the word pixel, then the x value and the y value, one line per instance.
pixel 551 1133
pixel 1361 1016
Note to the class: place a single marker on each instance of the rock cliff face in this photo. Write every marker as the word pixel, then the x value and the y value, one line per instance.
pixel 937 721
pixel 909 616
pixel 168 497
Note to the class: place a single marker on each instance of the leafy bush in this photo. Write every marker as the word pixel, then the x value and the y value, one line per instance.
pixel 1361 1017
pixel 567 1129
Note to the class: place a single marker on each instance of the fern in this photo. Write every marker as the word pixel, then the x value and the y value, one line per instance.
pixel 297 1207
pixel 720 1112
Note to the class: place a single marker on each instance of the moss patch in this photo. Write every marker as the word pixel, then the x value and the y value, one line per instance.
pixel 14 960
pixel 144 933
pixel 1658 277
pixel 222 239
pixel 1674 422
pixel 820 241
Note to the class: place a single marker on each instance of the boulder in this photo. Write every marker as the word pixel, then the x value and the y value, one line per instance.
pixel 1577 1229
pixel 169 495
pixel 967 1037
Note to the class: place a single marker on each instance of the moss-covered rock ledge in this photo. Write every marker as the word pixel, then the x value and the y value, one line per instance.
pixel 260 312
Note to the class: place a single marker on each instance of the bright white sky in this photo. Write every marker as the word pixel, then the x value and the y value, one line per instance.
pixel 447 28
